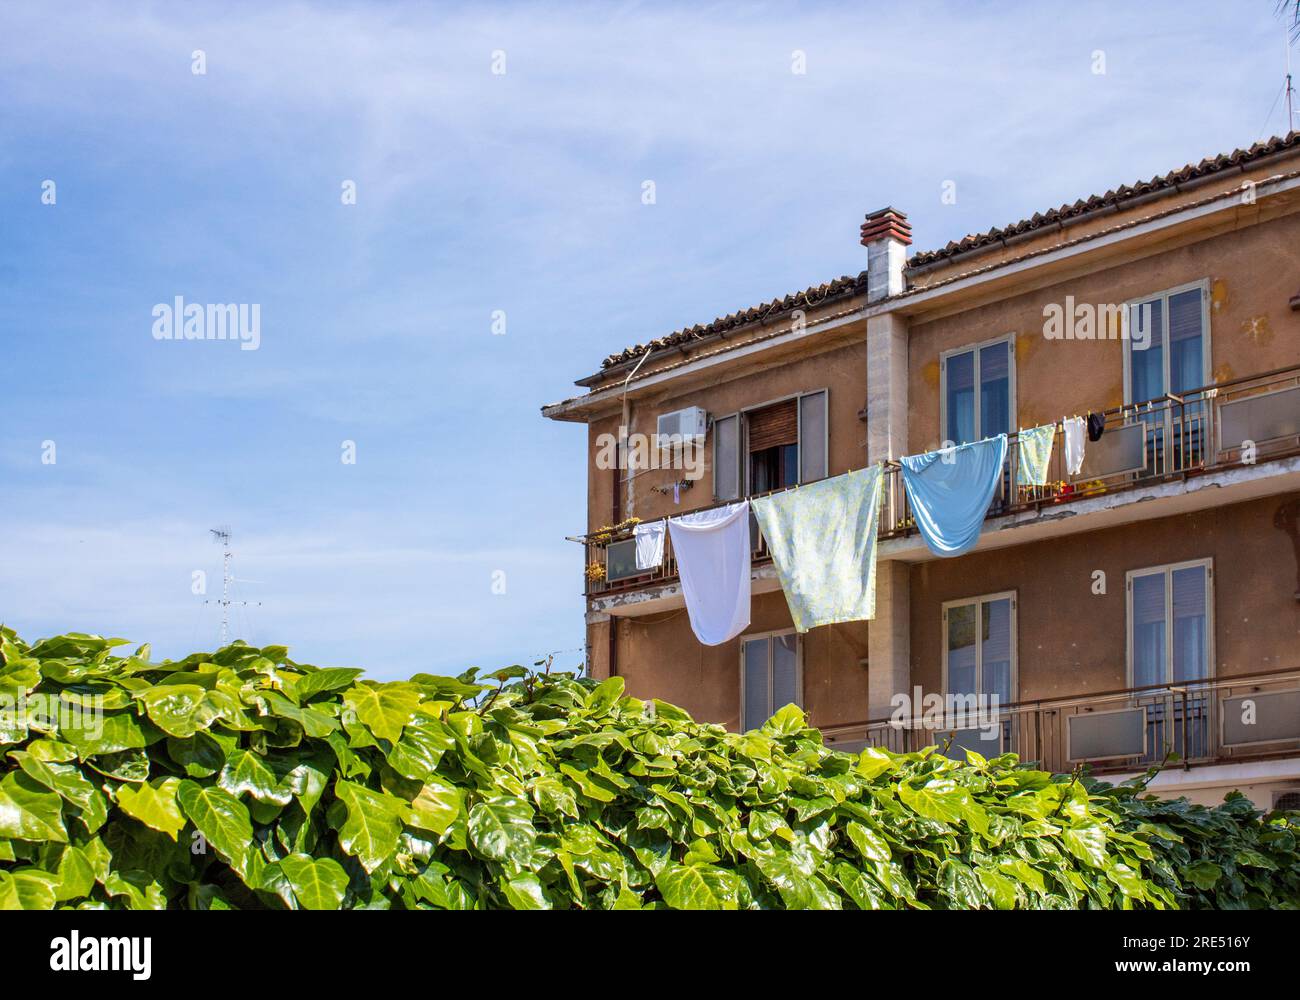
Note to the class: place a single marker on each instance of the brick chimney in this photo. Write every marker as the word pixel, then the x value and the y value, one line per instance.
pixel 886 234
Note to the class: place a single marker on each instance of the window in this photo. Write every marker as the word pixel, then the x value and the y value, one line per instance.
pixel 979 647
pixel 978 391
pixel 1168 346
pixel 771 677
pixel 1170 625
pixel 781 444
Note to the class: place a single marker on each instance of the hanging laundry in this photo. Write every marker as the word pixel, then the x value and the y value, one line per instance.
pixel 1096 426
pixel 649 544
pixel 823 542
pixel 713 552
pixel 950 492
pixel 1034 449
pixel 1073 427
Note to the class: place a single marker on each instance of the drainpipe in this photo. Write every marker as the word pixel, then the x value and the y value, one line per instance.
pixel 618 503
pixel 622 436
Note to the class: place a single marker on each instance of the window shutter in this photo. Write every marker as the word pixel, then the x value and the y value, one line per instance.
pixel 774 426
pixel 812 437
pixel 726 457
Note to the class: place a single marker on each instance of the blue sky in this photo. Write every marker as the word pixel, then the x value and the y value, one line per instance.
pixel 476 192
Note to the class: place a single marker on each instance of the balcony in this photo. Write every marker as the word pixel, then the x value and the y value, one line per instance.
pixel 1159 447
pixel 1232 720
pixel 1171 439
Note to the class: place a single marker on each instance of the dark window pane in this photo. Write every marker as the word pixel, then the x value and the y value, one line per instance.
pixel 756 690
pixel 1146 363
pixel 785 672
pixel 996 654
pixel 959 371
pixel 1149 630
pixel 1186 361
pixel 1191 655
pixel 995 390
pixel 961 650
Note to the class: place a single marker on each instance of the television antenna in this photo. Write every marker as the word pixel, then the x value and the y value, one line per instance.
pixel 221 535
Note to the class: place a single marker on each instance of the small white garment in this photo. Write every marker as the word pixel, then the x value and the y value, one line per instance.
pixel 712 550
pixel 649 544
pixel 1075 435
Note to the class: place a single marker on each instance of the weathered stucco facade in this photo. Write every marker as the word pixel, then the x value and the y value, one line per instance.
pixel 1073 566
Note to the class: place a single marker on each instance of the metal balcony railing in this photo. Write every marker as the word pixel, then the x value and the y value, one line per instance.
pixel 1255 417
pixel 1171 437
pixel 1213 721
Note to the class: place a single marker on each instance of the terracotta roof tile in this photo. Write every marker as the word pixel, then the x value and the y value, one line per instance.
pixel 1189 172
pixel 850 285
pixel 808 298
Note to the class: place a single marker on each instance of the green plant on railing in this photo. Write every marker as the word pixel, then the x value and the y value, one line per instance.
pixel 243 779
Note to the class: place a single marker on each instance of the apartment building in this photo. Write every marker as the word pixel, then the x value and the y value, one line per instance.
pixel 1143 610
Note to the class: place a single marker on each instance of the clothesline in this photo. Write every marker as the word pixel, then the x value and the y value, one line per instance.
pixel 822 536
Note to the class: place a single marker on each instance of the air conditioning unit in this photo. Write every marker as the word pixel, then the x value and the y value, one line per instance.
pixel 677 426
pixel 1287 798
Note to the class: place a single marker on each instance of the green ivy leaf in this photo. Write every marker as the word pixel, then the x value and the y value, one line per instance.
pixel 698 887
pixel 374 823
pixel 177 709
pixel 318 884
pixel 384 708
pixel 154 804
pixel 30 811
pixel 221 818
pixel 501 826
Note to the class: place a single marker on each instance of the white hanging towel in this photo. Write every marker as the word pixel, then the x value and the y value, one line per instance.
pixel 649 544
pixel 1075 428
pixel 712 550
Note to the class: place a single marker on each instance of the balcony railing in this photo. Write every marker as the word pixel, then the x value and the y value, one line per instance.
pixel 1215 721
pixel 1169 438
pixel 611 558
pixel 1172 437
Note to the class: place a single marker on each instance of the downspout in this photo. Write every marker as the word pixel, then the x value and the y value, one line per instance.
pixel 622 436
pixel 618 503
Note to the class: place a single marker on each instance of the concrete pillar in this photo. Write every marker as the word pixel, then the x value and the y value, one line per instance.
pixel 886 387
pixel 886 234
pixel 889 638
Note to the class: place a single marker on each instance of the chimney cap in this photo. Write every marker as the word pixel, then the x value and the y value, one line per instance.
pixel 886 224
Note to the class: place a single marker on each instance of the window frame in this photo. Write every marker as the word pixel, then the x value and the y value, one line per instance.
pixel 978 600
pixel 742 436
pixel 798 669
pixel 1207 356
pixel 1010 340
pixel 1167 569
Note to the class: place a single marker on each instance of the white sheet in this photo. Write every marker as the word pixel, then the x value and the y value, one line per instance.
pixel 1074 438
pixel 649 545
pixel 713 554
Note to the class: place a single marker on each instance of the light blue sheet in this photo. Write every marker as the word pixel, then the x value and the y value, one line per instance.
pixel 950 492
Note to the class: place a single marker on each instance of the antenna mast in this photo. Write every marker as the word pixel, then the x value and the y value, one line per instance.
pixel 1290 120
pixel 222 535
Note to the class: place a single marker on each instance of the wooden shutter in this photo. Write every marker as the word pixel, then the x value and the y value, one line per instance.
pixel 773 426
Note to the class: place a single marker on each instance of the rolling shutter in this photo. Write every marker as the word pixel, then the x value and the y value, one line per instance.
pixel 774 426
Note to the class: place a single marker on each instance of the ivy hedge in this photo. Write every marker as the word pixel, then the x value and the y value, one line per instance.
pixel 242 779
